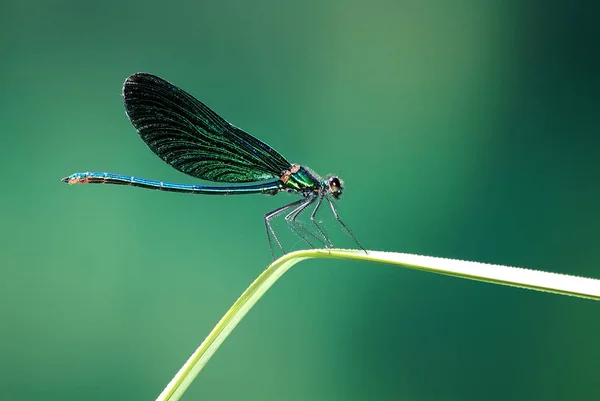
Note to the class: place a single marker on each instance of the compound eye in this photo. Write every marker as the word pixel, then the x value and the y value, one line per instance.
pixel 335 186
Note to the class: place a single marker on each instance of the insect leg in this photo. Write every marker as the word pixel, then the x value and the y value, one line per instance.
pixel 337 217
pixel 269 228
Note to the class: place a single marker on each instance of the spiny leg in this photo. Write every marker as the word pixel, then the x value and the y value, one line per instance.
pixel 270 230
pixel 337 217
pixel 291 220
pixel 312 218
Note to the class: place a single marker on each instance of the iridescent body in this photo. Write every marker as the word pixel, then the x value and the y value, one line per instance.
pixel 192 138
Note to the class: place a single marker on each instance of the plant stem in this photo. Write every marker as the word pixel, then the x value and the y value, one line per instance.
pixel 504 275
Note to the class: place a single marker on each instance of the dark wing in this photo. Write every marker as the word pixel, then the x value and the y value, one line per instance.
pixel 189 136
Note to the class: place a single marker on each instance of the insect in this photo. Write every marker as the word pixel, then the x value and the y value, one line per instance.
pixel 193 139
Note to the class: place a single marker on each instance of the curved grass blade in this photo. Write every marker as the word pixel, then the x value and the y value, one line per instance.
pixel 505 275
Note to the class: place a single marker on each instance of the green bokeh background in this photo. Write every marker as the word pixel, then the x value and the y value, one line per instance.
pixel 464 129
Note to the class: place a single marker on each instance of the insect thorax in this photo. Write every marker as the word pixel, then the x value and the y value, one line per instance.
pixel 300 179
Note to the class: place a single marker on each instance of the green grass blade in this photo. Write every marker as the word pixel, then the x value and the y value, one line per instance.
pixel 505 275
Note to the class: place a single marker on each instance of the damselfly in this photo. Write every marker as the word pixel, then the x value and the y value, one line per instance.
pixel 192 138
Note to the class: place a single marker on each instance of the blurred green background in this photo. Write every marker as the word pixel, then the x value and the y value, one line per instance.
pixel 465 130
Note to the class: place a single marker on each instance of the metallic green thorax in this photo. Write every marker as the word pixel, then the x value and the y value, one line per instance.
pixel 300 179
